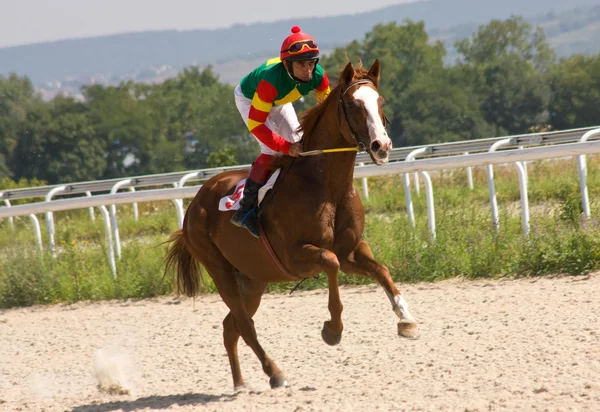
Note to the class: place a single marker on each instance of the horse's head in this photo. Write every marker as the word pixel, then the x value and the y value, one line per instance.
pixel 362 109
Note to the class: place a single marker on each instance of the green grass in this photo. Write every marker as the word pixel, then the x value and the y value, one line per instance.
pixel 560 241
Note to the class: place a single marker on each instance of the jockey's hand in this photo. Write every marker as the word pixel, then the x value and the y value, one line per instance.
pixel 295 149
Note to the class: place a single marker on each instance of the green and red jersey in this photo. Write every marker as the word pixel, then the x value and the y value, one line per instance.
pixel 269 85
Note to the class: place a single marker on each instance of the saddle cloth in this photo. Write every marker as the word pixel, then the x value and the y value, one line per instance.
pixel 232 202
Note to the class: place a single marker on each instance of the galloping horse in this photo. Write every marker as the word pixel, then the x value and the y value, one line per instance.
pixel 314 222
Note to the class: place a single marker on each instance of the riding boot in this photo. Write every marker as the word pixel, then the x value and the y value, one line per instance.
pixel 246 216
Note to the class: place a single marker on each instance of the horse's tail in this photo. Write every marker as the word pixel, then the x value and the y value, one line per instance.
pixel 188 271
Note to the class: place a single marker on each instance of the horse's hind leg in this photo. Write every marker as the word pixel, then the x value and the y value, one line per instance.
pixel 223 275
pixel 362 262
pixel 251 292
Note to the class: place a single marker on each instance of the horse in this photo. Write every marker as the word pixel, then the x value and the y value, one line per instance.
pixel 314 223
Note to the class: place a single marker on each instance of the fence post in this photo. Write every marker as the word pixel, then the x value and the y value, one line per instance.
pixel 50 217
pixel 582 169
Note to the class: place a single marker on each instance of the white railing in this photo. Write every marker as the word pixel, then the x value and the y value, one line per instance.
pixel 178 179
pixel 394 168
pixel 400 154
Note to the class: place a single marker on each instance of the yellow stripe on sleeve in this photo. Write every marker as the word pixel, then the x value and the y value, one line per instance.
pixel 253 124
pixel 261 105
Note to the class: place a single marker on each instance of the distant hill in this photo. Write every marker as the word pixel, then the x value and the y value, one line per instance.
pixel 160 53
pixel 574 31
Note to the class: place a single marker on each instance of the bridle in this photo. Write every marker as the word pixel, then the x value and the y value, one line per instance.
pixel 385 119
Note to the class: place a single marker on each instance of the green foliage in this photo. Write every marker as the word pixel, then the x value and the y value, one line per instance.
pixel 516 96
pixel 504 62
pixel 575 92
pixel 205 117
pixel 570 205
pixel 81 273
pixel 221 158
pixel 17 96
pixel 81 270
pixel 437 111
pixel 6 183
pixel 58 144
pixel 498 40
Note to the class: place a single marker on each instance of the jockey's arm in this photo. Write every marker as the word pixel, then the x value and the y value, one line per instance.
pixel 323 89
pixel 262 102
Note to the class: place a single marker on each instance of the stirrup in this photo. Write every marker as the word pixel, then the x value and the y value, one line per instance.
pixel 250 222
pixel 238 217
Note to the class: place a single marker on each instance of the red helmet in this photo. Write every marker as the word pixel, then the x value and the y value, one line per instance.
pixel 299 46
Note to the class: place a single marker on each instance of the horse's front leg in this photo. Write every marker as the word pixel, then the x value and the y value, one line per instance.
pixel 308 258
pixel 361 262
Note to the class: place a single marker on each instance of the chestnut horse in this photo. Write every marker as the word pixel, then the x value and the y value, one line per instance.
pixel 314 222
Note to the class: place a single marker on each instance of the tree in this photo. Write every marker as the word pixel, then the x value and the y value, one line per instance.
pixel 437 110
pixel 222 158
pixel 405 53
pixel 56 143
pixel 500 39
pixel 130 128
pixel 4 169
pixel 517 96
pixel 208 120
pixel 504 62
pixel 575 92
pixel 17 95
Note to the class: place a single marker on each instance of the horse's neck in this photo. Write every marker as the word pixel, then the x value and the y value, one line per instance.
pixel 326 133
pixel 335 169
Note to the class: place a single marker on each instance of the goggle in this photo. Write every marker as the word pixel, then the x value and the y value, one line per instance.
pixel 297 47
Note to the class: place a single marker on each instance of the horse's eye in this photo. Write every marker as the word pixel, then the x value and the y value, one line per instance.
pixel 355 104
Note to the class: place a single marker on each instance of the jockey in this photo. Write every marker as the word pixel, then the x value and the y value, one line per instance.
pixel 264 99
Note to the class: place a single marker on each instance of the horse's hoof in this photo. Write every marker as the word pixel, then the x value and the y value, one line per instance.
pixel 328 336
pixel 408 330
pixel 278 381
pixel 240 388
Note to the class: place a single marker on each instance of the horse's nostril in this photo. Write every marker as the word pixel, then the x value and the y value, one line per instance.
pixel 375 146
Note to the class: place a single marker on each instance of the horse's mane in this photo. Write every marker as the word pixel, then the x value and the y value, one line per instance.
pixel 311 117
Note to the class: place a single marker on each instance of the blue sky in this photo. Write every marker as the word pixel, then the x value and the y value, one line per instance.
pixel 34 21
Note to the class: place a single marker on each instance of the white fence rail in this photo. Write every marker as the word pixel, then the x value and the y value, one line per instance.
pixel 400 154
pixel 394 168
pixel 178 179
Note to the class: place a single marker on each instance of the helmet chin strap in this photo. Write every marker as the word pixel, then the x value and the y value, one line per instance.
pixel 290 72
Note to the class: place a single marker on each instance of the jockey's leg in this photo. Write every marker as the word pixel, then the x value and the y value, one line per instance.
pixel 361 262
pixel 283 120
pixel 246 215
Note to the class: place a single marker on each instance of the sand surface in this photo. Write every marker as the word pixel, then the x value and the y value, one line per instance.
pixel 502 345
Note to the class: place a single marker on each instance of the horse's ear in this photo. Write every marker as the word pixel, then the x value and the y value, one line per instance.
pixel 374 72
pixel 347 74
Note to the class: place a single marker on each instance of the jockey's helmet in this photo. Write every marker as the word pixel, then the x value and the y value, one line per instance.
pixel 299 46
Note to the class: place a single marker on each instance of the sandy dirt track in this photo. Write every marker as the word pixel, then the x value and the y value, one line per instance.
pixel 506 345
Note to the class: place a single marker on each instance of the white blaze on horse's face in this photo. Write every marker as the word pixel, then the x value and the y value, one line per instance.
pixel 380 141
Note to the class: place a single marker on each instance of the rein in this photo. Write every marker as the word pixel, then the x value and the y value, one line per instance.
pixel 341 149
